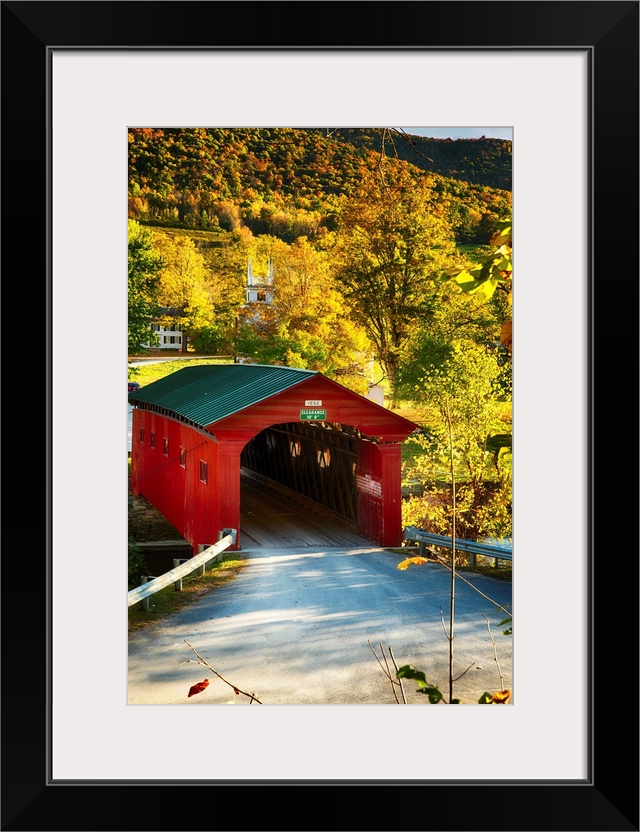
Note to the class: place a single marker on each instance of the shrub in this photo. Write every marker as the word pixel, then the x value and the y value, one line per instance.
pixel 483 511
pixel 137 564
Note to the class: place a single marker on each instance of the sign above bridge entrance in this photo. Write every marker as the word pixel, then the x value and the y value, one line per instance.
pixel 313 415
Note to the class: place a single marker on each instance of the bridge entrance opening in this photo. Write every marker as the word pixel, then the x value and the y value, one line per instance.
pixel 311 465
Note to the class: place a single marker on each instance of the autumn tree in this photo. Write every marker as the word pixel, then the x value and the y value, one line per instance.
pixel 226 264
pixel 309 325
pixel 184 294
pixel 144 267
pixel 393 242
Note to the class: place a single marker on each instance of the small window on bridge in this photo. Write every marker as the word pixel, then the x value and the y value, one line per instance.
pixel 183 458
pixel 142 434
pixel 324 457
pixel 152 439
pixel 203 471
pixel 165 446
pixel 295 448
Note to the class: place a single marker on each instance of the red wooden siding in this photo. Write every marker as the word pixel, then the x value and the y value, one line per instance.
pixel 187 503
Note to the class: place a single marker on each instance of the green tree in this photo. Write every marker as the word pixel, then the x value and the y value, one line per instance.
pixel 458 317
pixel 393 242
pixel 465 393
pixel 144 267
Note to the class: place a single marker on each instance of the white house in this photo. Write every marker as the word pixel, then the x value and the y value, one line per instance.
pixel 169 336
pixel 170 339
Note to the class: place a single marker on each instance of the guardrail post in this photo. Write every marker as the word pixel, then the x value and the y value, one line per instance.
pixel 422 548
pixel 202 569
pixel 223 533
pixel 472 558
pixel 178 584
pixel 144 604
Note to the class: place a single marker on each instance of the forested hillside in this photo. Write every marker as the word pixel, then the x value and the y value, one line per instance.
pixel 479 161
pixel 291 182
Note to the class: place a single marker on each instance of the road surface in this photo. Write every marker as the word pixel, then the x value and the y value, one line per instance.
pixel 294 628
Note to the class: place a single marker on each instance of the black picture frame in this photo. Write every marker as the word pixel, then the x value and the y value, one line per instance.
pixel 608 799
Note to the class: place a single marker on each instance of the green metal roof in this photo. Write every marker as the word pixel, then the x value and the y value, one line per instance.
pixel 208 393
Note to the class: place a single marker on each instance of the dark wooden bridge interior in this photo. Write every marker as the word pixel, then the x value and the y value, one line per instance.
pixel 298 487
pixel 317 462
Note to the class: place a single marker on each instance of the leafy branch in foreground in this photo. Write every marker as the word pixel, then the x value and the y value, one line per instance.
pixel 434 694
pixel 198 688
pixel 492 272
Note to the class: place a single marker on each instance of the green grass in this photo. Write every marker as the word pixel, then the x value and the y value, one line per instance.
pixel 147 373
pixel 168 601
pixel 473 251
pixel 502 572
pixel 215 238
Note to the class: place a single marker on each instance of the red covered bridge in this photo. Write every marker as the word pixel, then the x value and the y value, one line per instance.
pixel 198 430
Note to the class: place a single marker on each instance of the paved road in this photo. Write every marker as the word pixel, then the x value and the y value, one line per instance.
pixel 294 626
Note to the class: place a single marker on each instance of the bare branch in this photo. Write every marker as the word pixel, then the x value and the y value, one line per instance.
pixel 459 576
pixel 252 697
pixel 387 672
pixel 395 664
pixel 386 663
pixel 381 158
pixel 410 142
pixel 392 680
pixel 464 672
pixel 444 629
pixel 495 652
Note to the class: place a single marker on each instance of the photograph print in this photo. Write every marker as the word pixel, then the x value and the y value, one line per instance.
pixel 319 395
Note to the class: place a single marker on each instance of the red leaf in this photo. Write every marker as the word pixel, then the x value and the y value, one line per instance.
pixel 199 687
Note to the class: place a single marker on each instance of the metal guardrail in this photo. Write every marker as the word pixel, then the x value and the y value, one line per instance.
pixel 173 576
pixel 472 548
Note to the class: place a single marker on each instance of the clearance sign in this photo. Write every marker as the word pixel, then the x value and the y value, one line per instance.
pixel 313 415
